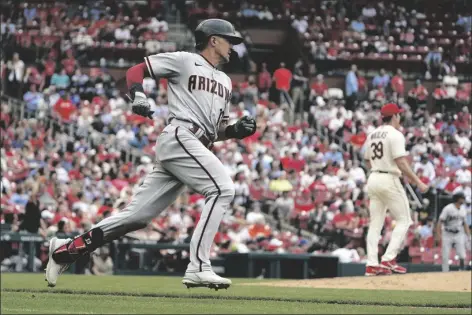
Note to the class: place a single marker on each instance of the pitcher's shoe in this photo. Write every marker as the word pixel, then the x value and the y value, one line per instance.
pixel 376 271
pixel 207 279
pixel 393 266
pixel 53 269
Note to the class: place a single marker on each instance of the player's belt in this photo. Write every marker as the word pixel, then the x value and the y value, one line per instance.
pixel 382 172
pixel 451 231
pixel 193 128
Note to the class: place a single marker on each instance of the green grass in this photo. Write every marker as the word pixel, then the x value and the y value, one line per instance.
pixel 28 293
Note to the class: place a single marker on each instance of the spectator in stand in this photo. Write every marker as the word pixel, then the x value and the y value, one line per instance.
pixel 465 22
pixel 433 61
pixel 250 94
pixel 398 84
pixel 264 79
pixel 417 96
pixel 61 80
pixel 318 50
pixel 266 14
pixel 451 82
pixel 300 24
pixel 249 11
pixel 462 137
pixel 358 28
pixel 49 70
pixel 282 78
pixel 101 263
pixel 334 155
pixel 69 63
pixel 463 174
pixel 299 83
pixel 426 166
pixel 440 97
pixel 64 108
pixel 382 79
pixel 33 100
pixel 319 88
pixel 352 88
pixel 14 75
pixel 33 76
pixel 453 159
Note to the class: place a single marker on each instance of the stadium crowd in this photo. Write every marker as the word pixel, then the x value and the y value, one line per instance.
pixel 78 153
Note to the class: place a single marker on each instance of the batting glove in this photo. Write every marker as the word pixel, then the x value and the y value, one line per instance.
pixel 244 127
pixel 140 105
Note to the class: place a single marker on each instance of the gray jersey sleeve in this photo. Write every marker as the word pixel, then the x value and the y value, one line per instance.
pixel 444 213
pixel 164 65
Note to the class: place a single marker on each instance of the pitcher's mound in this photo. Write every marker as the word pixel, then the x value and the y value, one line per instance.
pixel 430 281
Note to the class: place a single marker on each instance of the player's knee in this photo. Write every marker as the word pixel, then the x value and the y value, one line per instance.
pixel 226 192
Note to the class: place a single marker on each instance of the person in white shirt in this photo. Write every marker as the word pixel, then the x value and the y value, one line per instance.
pixel 16 68
pixel 426 166
pixel 123 136
pixel 451 81
pixel 463 174
pixel 385 156
pixel 266 14
pixel 357 173
pixel 301 25
pixel 122 34
pixel 463 140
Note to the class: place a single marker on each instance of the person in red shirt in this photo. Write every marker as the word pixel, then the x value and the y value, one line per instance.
pixel 319 88
pixel 49 69
pixel 439 95
pixel 417 96
pixel 64 108
pixel 282 78
pixel 264 80
pixel 398 85
pixel 69 63
pixel 342 220
pixel 453 184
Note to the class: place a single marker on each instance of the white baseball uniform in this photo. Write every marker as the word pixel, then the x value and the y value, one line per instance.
pixel 452 220
pixel 383 146
pixel 199 96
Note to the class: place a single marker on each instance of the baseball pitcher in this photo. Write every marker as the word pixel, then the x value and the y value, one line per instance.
pixel 452 229
pixel 199 99
pixel 385 156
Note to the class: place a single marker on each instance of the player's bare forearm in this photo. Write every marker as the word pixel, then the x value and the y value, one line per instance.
pixel 403 165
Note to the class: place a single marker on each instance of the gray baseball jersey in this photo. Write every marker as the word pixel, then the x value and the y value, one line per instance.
pixel 197 91
pixel 453 233
pixel 198 94
pixel 452 218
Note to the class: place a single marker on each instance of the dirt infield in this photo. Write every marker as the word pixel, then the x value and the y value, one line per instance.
pixel 431 281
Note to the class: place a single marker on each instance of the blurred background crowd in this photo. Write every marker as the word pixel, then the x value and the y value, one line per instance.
pixel 73 153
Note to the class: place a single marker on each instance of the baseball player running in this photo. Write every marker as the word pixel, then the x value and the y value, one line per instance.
pixel 199 99
pixel 453 228
pixel 386 158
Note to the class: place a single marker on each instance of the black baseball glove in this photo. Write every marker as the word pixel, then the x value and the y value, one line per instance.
pixel 244 127
pixel 140 105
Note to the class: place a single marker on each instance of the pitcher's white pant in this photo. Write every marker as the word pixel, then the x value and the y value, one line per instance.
pixel 448 239
pixel 181 159
pixel 386 192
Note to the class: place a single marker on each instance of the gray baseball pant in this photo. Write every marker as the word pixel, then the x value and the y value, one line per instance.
pixel 181 159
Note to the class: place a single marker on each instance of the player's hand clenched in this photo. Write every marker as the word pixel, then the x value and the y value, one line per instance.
pixel 140 105
pixel 245 127
pixel 423 187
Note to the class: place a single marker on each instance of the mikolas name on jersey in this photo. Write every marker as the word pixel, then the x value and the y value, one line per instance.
pixel 198 82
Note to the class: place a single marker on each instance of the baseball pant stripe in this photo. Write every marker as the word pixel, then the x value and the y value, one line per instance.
pixel 214 202
pixel 148 64
pixel 402 191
